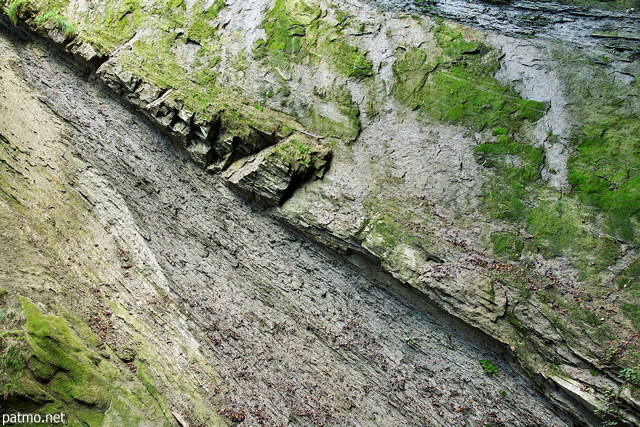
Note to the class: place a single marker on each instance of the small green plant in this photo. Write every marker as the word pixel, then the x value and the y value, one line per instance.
pixel 609 407
pixel 609 354
pixel 553 369
pixel 503 393
pixel 407 338
pixel 53 16
pixel 12 361
pixel 13 11
pixel 611 394
pixel 630 376
pixel 593 372
pixel 489 368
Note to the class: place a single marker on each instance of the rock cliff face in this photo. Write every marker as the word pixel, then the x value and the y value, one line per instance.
pixel 493 168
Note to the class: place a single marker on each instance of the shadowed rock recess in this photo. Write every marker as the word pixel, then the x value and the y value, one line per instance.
pixel 315 212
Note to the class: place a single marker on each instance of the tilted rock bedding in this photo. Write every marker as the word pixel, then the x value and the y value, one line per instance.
pixel 492 168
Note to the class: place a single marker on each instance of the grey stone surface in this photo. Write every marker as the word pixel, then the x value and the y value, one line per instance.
pixel 588 27
pixel 295 335
pixel 398 156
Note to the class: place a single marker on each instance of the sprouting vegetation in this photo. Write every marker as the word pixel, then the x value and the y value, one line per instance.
pixel 294 152
pixel 631 376
pixel 301 154
pixel 408 338
pixel 491 369
pixel 53 16
pixel 46 12
pixel 11 366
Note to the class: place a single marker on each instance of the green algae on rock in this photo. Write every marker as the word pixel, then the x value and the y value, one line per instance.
pixel 59 369
pixel 455 83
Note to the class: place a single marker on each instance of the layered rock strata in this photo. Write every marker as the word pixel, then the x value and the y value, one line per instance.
pixel 496 174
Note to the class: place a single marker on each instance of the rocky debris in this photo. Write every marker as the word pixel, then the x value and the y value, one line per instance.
pixel 85 53
pixel 270 176
pixel 117 78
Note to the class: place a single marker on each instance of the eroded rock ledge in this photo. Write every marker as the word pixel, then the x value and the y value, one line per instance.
pixel 213 139
pixel 264 155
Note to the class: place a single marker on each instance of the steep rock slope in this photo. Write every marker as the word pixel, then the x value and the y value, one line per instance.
pixel 498 175
pixel 138 290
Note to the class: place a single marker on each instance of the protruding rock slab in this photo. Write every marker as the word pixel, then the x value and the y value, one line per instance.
pixel 270 176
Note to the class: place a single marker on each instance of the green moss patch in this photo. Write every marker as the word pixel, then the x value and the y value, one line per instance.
pixel 155 61
pixel 507 245
pixel 301 33
pixel 604 168
pixel 286 28
pixel 295 32
pixel 628 282
pixel 335 114
pixel 605 172
pixel 202 28
pixel 525 158
pixel 294 152
pixel 399 231
pixel 79 381
pixel 304 155
pixel 113 24
pixel 456 84
pixel 60 354
pixel 348 60
pixel 588 222
pixel 556 226
pixel 559 226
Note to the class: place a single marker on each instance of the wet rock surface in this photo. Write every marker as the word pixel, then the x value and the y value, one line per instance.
pixel 295 335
